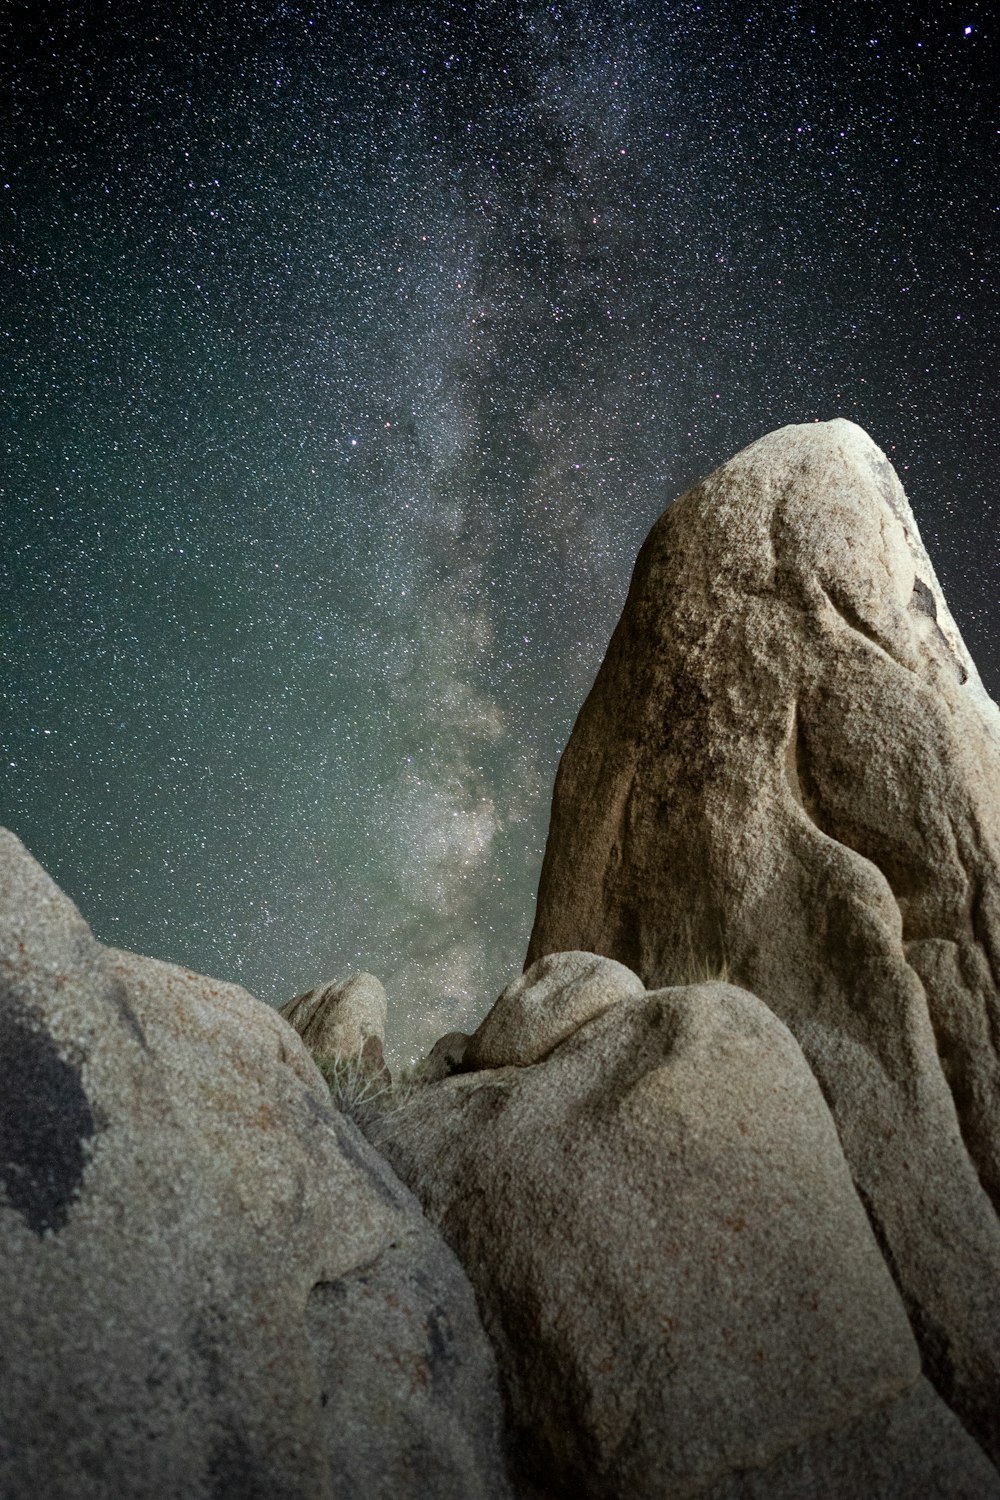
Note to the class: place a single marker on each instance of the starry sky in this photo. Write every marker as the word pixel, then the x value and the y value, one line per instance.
pixel 350 351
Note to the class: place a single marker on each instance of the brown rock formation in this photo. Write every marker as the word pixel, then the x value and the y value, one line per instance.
pixel 345 1019
pixel 788 764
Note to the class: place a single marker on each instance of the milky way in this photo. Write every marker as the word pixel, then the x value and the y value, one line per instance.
pixel 350 351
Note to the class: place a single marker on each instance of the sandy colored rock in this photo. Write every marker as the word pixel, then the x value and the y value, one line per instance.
pixel 788 763
pixel 667 1248
pixel 346 1018
pixel 545 1005
pixel 210 1284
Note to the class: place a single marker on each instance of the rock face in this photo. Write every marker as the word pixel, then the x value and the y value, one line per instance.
pixel 210 1285
pixel 682 1285
pixel 344 1019
pixel 788 763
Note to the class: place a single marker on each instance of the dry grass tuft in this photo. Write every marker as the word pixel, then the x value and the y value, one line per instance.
pixel 703 971
pixel 363 1094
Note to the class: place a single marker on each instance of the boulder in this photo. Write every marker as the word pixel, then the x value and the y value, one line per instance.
pixel 343 1020
pixel 680 1281
pixel 545 1005
pixel 210 1284
pixel 788 765
pixel 913 1447
pixel 447 1056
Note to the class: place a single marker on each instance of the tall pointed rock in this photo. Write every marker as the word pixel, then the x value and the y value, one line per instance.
pixel 788 765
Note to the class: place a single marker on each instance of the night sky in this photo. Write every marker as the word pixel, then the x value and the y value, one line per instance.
pixel 349 353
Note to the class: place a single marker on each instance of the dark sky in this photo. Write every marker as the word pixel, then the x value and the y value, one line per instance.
pixel 349 353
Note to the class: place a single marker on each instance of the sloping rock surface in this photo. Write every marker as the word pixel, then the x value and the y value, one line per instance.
pixel 210 1284
pixel 788 763
pixel 683 1289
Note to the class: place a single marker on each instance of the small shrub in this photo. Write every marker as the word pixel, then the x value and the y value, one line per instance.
pixel 355 1088
pixel 362 1092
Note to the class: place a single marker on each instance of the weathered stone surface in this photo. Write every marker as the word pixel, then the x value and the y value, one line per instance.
pixel 788 762
pixel 545 1005
pixel 346 1019
pixel 210 1284
pixel 669 1253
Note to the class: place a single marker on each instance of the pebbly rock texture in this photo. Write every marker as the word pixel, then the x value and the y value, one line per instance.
pixel 210 1285
pixel 344 1019
pixel 684 1291
pixel 788 763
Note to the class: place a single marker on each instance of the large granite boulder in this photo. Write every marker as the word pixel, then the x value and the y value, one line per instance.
pixel 683 1288
pixel 210 1285
pixel 788 765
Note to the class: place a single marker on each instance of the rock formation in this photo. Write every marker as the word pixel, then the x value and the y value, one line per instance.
pixel 683 1288
pixel 788 764
pixel 210 1284
pixel 446 1057
pixel 719 1233
pixel 545 1006
pixel 345 1019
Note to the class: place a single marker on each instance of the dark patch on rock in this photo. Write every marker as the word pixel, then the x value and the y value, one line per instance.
pixel 373 1059
pixel 45 1118
pixel 130 1020
pixel 329 1291
pixel 922 601
pixel 440 1341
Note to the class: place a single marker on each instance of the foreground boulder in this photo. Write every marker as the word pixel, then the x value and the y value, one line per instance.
pixel 788 765
pixel 210 1285
pixel 683 1289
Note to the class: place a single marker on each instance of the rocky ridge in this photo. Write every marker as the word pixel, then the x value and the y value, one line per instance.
pixel 710 1195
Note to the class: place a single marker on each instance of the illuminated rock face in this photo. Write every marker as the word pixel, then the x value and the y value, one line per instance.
pixel 684 1291
pixel 210 1284
pixel 721 1166
pixel 788 765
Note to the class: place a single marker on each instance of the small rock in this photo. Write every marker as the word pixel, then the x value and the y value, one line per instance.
pixel 345 1019
pixel 447 1056
pixel 547 1004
